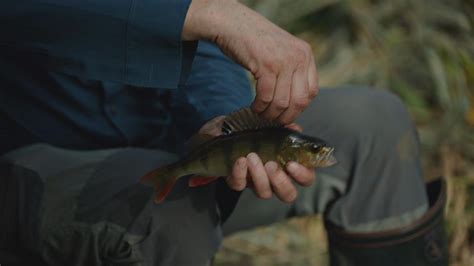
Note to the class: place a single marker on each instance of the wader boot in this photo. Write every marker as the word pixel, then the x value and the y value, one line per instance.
pixel 423 242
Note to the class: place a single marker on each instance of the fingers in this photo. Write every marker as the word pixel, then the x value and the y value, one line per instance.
pixel 281 183
pixel 295 127
pixel 281 97
pixel 259 176
pixel 313 79
pixel 286 88
pixel 265 90
pixel 301 174
pixel 238 180
pixel 268 178
pixel 299 94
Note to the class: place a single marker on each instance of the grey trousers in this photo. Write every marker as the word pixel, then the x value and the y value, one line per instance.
pixel 376 185
pixel 88 208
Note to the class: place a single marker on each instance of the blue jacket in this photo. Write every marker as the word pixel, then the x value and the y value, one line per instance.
pixel 88 74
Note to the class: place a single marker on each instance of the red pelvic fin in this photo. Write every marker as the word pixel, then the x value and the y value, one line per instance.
pixel 150 176
pixel 197 181
pixel 162 191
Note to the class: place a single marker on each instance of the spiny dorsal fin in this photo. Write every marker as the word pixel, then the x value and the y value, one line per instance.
pixel 245 119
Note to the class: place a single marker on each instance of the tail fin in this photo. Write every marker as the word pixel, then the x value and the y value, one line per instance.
pixel 162 179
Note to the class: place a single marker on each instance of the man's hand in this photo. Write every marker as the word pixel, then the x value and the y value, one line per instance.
pixel 282 64
pixel 266 179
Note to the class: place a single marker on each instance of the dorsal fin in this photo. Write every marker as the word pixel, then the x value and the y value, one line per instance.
pixel 245 119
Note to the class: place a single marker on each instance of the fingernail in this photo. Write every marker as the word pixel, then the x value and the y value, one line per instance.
pixel 292 167
pixel 253 158
pixel 271 167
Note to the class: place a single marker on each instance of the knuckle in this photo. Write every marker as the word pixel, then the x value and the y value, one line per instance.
pixel 303 49
pixel 233 184
pixel 265 100
pixel 238 177
pixel 264 194
pixel 272 66
pixel 301 103
pixel 306 182
pixel 290 196
pixel 288 61
pixel 297 173
pixel 260 105
pixel 285 190
pixel 281 104
pixel 308 50
pixel 264 93
pixel 300 57
pixel 239 185
pixel 253 66
pixel 286 119
pixel 313 91
pixel 280 180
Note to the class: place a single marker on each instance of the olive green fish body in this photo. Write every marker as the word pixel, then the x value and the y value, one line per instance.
pixel 216 157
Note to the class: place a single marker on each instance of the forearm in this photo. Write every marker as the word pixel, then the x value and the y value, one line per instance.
pixel 282 64
pixel 206 18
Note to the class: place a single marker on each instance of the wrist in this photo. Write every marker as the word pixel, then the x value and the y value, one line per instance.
pixel 205 19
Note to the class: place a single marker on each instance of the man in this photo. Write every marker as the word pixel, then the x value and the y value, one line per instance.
pixel 96 93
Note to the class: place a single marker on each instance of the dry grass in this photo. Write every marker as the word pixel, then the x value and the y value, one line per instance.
pixel 423 50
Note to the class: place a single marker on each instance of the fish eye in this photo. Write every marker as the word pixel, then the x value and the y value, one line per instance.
pixel 315 148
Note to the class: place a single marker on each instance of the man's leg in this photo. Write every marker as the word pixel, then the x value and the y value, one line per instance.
pixel 377 186
pixel 88 208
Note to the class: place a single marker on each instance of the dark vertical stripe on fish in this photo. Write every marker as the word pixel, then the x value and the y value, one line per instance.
pixel 228 149
pixel 274 147
pixel 185 165
pixel 204 159
pixel 255 143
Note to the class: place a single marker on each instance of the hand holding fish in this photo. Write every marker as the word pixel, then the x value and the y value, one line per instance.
pixel 263 179
pixel 252 152
pixel 282 64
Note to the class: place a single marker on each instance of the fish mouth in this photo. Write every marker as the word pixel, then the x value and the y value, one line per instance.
pixel 327 159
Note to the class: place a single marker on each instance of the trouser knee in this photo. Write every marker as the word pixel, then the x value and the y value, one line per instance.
pixel 379 172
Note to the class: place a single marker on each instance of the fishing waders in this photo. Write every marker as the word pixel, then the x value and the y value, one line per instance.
pixel 423 242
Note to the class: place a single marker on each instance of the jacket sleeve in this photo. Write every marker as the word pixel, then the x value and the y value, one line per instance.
pixel 136 42
pixel 216 86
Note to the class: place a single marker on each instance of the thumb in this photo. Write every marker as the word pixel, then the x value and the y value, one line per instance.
pixel 295 127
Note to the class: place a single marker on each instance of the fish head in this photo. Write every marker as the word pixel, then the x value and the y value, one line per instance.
pixel 310 151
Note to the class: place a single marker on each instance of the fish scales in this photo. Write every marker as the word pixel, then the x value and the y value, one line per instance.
pixel 244 132
pixel 218 156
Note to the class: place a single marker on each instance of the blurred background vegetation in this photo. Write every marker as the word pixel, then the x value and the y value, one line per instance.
pixel 422 50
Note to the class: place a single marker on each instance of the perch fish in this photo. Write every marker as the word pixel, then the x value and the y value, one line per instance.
pixel 243 132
